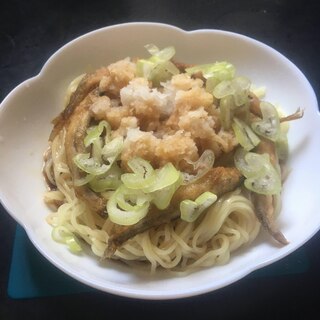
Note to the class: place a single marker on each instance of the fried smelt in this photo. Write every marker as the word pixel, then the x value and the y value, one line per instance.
pixel 254 107
pixel 264 204
pixel 218 180
pixel 76 127
pixel 87 84
pixel 264 210
pixel 295 116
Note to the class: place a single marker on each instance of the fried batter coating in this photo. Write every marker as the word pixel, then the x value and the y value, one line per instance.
pixel 119 75
pixel 176 148
pixel 188 100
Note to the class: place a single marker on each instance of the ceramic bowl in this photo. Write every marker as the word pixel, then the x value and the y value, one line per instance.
pixel 25 116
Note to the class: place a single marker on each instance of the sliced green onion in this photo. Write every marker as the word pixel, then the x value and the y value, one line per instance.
pixel 211 83
pixel 241 87
pixel 261 175
pixel 237 87
pixel 245 136
pixel 162 71
pixel 82 181
pixel 269 126
pixel 163 55
pixel 93 165
pixel 104 184
pixel 147 179
pixel 223 89
pixel 191 210
pixel 201 166
pixel 158 67
pixel 218 70
pixel 143 174
pixel 112 149
pixel 144 67
pixel 250 164
pixel 269 183
pixel 233 95
pixel 165 177
pixel 73 244
pixel 152 49
pixel 127 206
pixel 141 167
pixel 162 197
pixel 94 138
pixel 63 235
pixel 160 184
pixel 94 133
pixel 110 181
pixel 226 111
pixel 90 165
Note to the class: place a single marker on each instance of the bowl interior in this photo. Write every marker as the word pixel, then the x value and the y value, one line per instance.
pixel 25 117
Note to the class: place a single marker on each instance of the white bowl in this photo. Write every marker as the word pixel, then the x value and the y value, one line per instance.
pixel 25 116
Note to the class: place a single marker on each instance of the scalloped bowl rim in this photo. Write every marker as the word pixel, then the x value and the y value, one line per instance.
pixel 159 288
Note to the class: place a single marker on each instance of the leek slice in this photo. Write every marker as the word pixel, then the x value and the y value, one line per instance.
pixel 245 136
pixel 144 67
pixel 191 210
pixel 158 68
pixel 261 176
pixel 110 181
pixel 103 184
pixel 211 83
pixel 226 111
pixel 241 87
pixel 127 207
pixel 94 166
pixel 219 70
pixel 94 137
pixel 233 95
pixel 223 89
pixel 90 165
pixel 269 183
pixel 63 235
pixel 94 133
pixel 269 126
pixel 237 87
pixel 164 55
pixel 143 174
pixel 162 72
pixel 201 166
pixel 82 181
pixel 112 149
pixel 159 184
pixel 162 198
pixel 248 163
pixel 165 177
pixel 147 179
